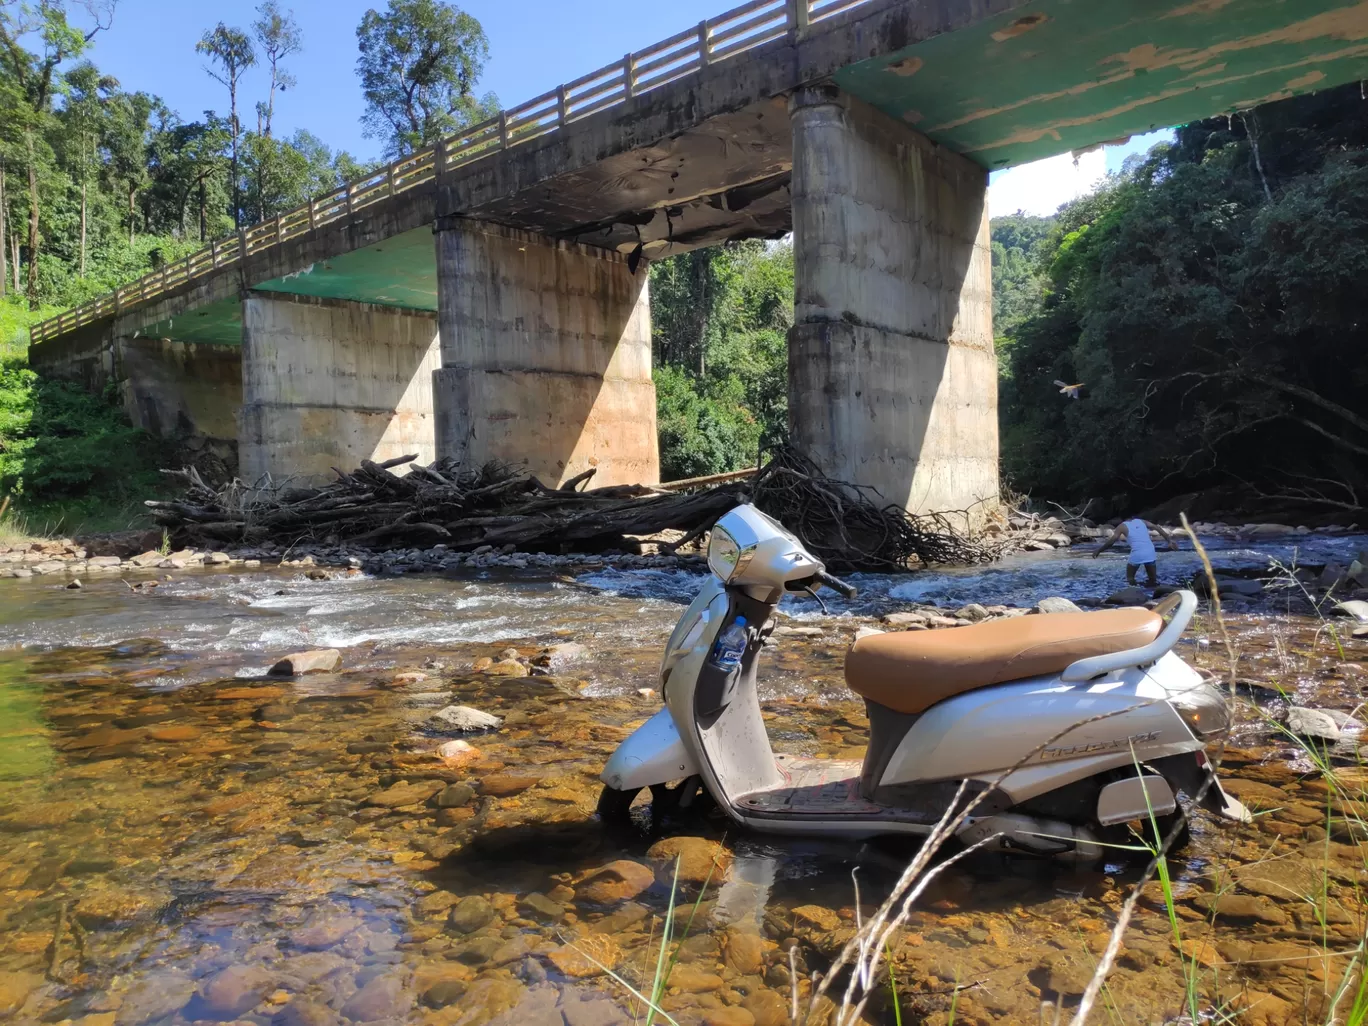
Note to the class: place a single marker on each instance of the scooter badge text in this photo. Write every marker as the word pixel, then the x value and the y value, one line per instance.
pixel 1066 751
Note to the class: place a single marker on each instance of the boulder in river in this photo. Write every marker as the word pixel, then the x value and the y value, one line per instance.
pixel 462 718
pixel 1056 604
pixel 1357 608
pixel 321 660
pixel 1312 723
pixel 1128 597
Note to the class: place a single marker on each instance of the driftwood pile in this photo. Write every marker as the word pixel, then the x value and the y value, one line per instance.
pixel 498 505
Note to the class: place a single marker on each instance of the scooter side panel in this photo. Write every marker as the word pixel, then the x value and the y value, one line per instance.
pixel 1084 728
pixel 653 754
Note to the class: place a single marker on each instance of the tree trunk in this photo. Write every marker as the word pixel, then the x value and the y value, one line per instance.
pixel 14 260
pixel 4 236
pixel 130 215
pixel 237 196
pixel 83 230
pixel 33 226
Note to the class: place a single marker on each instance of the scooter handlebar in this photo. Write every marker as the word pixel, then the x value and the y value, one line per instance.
pixel 836 584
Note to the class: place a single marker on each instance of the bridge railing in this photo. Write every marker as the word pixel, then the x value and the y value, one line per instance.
pixel 714 40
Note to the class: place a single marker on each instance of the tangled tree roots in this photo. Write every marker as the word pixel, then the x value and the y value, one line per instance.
pixel 498 505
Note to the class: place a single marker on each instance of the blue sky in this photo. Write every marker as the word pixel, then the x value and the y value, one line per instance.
pixel 534 44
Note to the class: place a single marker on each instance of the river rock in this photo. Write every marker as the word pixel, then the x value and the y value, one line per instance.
pixel 593 1009
pixel 1239 586
pixel 1128 597
pixel 323 931
pixel 904 620
pixel 1241 907
pixel 384 997
pixel 559 657
pixel 458 753
pixel 234 991
pixel 699 858
pixel 767 1008
pixel 303 1012
pixel 15 988
pixel 443 993
pixel 743 949
pixel 868 632
pixel 502 785
pixel 462 718
pixel 321 660
pixel 174 734
pixel 728 1015
pixel 1356 608
pixel 587 956
pixel 1312 723
pixel 1056 604
pixel 538 906
pixel 454 796
pixel 823 919
pixel 972 612
pixel 154 997
pixel 621 880
pixel 506 668
pixel 405 794
pixel 469 914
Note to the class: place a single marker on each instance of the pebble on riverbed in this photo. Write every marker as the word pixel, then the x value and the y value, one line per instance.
pixel 462 719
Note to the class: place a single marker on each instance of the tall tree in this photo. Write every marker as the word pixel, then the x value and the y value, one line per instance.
pixel 232 51
pixel 279 37
pixel 419 63
pixel 35 78
pixel 85 119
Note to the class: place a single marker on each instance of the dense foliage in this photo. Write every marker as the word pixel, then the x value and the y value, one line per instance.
pixel 99 185
pixel 1210 299
pixel 721 319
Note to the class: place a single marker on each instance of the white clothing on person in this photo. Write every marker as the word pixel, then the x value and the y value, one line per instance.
pixel 1141 546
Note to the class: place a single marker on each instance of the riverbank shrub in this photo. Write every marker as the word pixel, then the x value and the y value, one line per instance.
pixel 67 457
pixel 1209 299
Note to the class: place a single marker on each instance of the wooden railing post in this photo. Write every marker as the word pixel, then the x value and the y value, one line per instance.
pixel 313 214
pixel 628 76
pixel 503 129
pixel 389 179
pixel 560 105
pixel 704 49
pixel 242 244
pixel 279 227
pixel 439 158
pixel 798 17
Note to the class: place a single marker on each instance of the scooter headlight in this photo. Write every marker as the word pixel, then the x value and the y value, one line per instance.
pixel 726 557
pixel 1204 710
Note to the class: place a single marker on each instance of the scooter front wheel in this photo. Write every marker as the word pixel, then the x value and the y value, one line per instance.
pixel 617 808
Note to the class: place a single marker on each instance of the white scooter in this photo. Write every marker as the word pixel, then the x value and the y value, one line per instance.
pixel 1075 724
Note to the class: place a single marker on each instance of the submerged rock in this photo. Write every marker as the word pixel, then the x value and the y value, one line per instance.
pixel 1128 597
pixel 462 718
pixel 234 991
pixel 1312 723
pixel 699 859
pixel 469 914
pixel 617 881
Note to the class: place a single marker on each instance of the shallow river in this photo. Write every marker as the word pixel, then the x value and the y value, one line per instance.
pixel 183 841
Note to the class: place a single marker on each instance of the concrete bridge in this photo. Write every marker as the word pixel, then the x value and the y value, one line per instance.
pixel 485 298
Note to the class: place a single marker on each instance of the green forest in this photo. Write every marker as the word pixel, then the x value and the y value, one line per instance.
pixel 1207 298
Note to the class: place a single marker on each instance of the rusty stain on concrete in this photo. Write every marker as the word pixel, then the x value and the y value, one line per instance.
pixel 1020 27
pixel 907 67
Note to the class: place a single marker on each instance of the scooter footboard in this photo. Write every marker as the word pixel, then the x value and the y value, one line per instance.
pixel 653 754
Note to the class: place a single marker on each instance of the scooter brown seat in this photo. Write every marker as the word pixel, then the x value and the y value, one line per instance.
pixel 911 671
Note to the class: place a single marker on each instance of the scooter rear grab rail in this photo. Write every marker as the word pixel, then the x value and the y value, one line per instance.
pixel 1096 666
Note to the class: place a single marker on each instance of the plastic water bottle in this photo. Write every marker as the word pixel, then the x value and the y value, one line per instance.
pixel 730 646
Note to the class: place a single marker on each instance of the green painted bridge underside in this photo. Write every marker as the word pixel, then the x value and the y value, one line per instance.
pixel 1059 75
pixel 401 271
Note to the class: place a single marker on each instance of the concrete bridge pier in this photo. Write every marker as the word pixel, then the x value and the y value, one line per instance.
pixel 546 356
pixel 327 383
pixel 892 373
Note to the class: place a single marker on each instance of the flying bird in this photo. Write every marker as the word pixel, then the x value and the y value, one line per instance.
pixel 1070 390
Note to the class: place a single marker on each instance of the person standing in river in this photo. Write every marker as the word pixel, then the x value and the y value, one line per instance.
pixel 1142 553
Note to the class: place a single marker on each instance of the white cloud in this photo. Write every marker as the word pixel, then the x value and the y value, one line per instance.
pixel 1044 186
